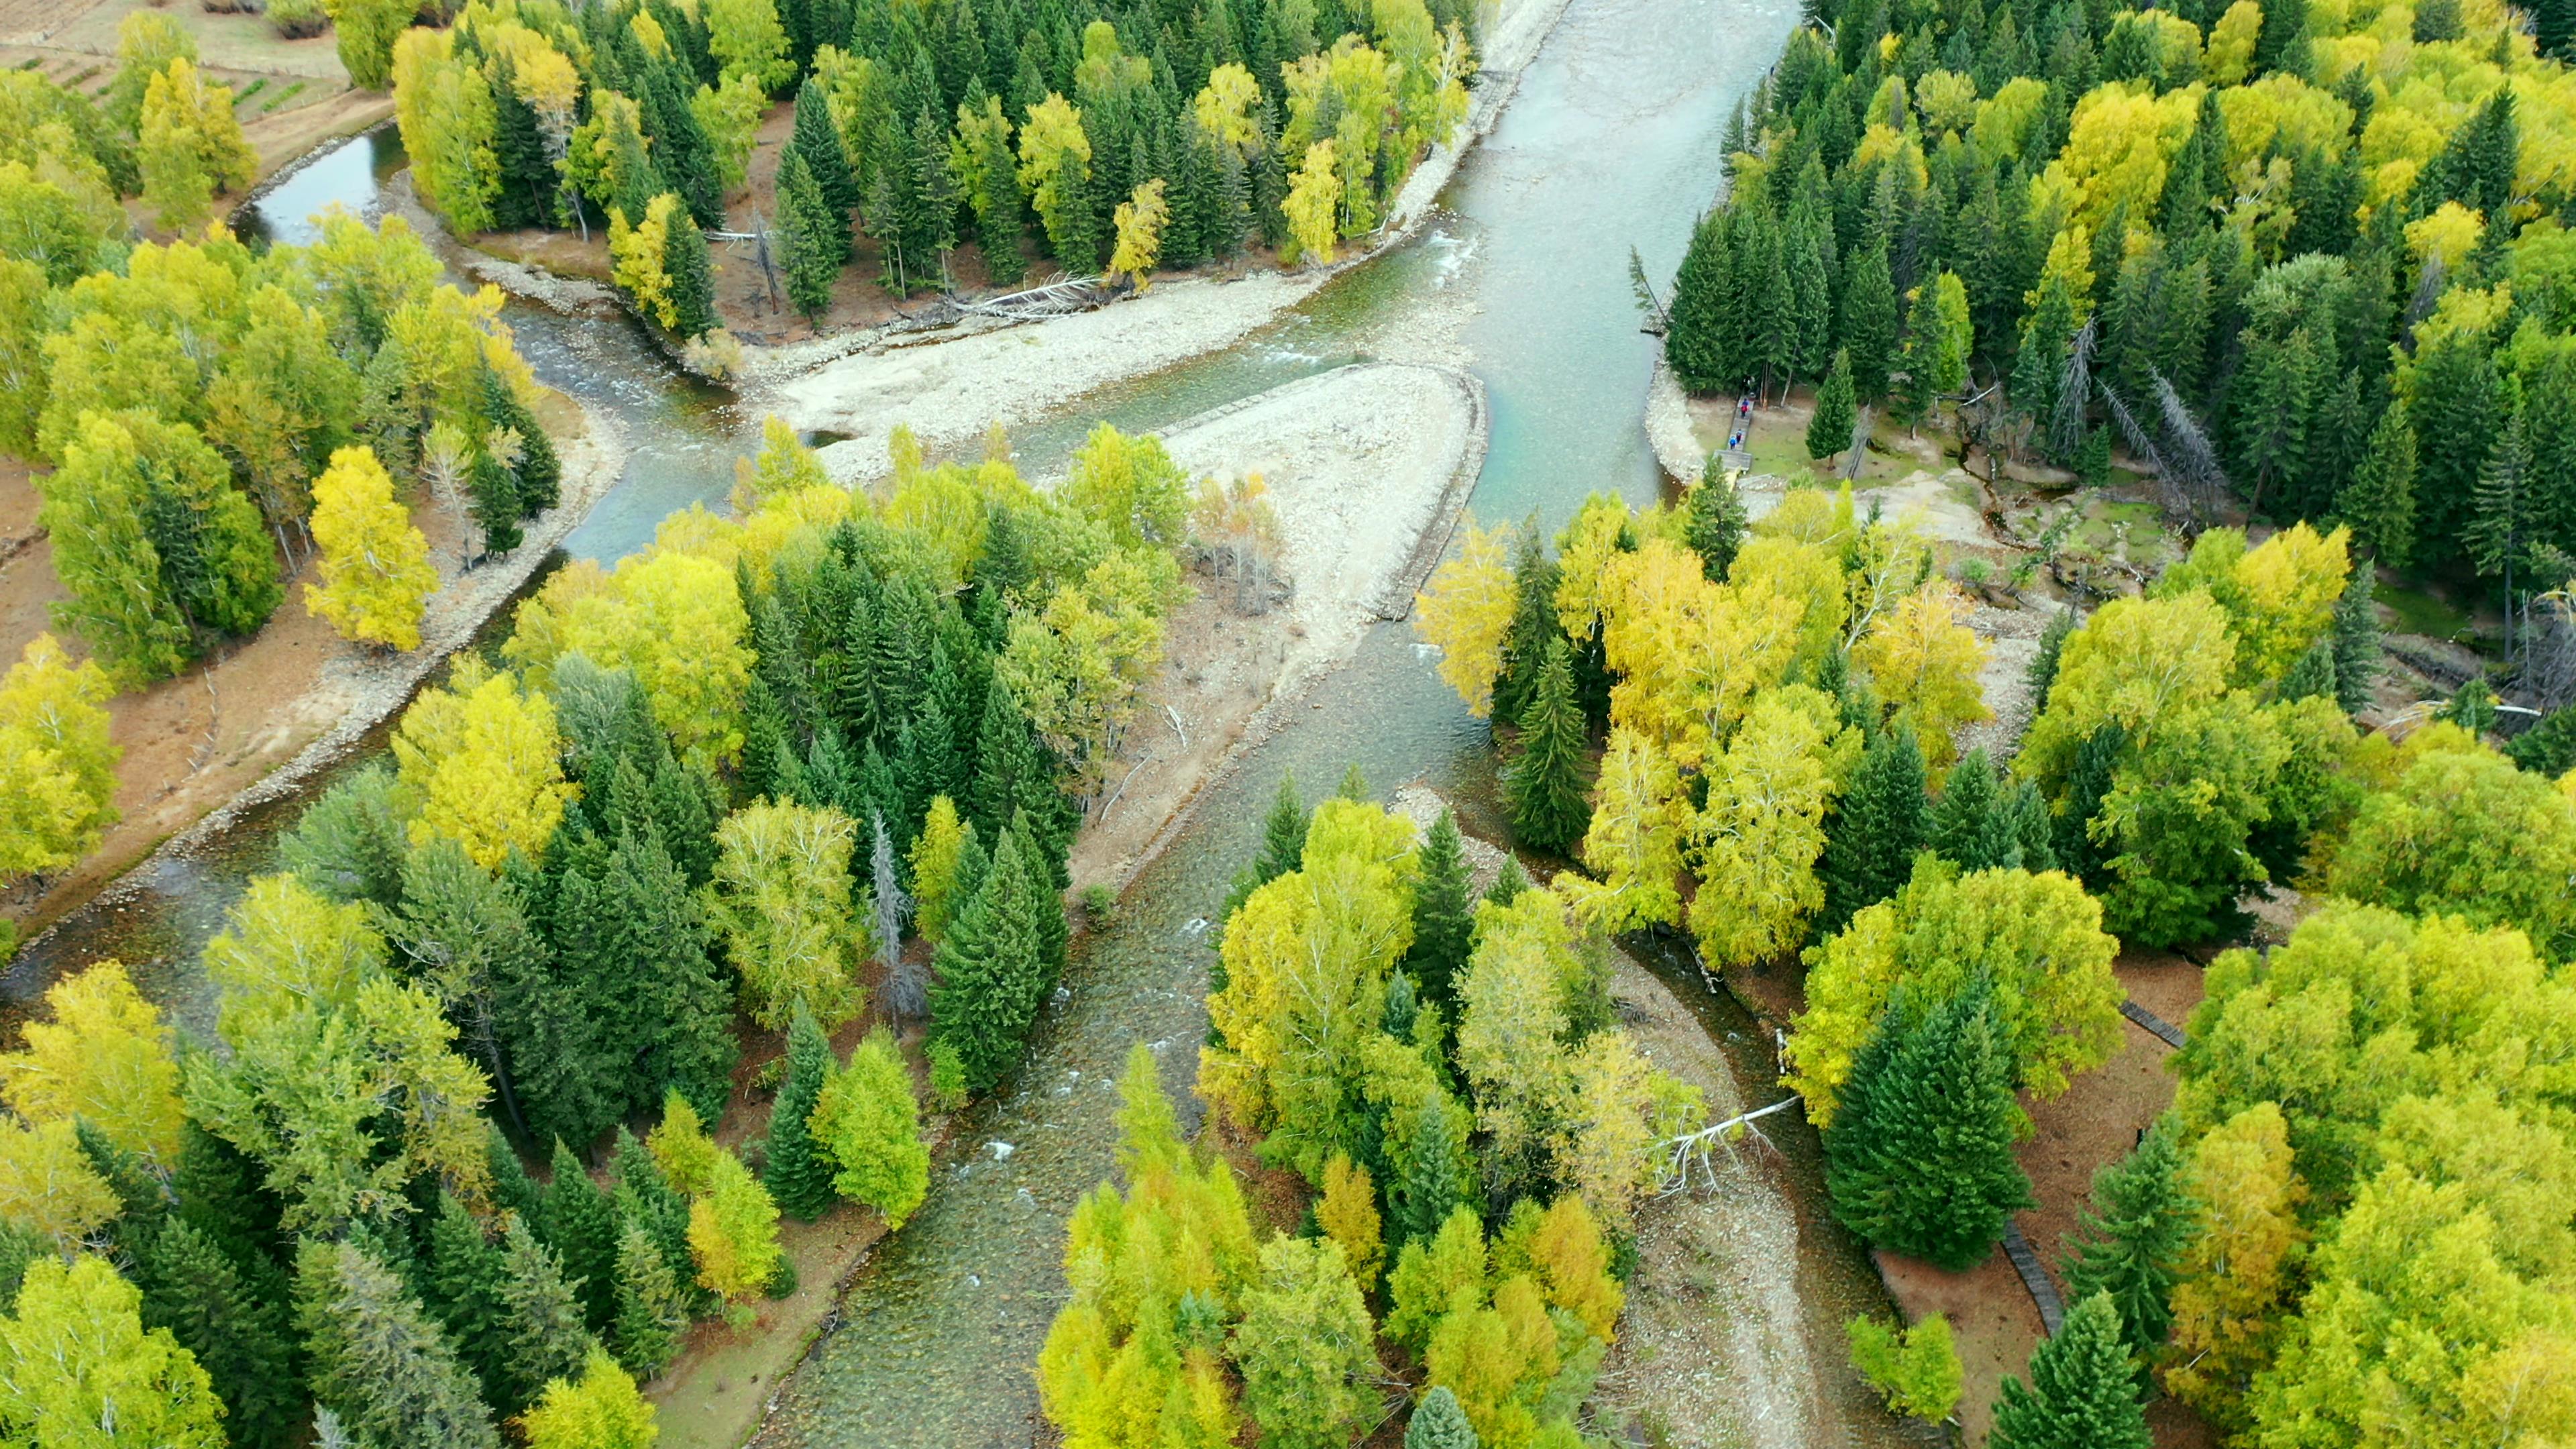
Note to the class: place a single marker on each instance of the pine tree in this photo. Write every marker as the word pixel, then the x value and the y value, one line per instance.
pixel 1868 332
pixel 652 1307
pixel 463 1293
pixel 1714 520
pixel 818 140
pixel 1444 915
pixel 1696 332
pixel 796 1173
pixel 2355 636
pixel 1880 824
pixel 2130 1242
pixel 541 1327
pixel 238 1335
pixel 376 1360
pixel 1964 824
pixel 1425 1186
pixel 580 1225
pixel 693 283
pixel 1544 786
pixel 2080 1395
pixel 1438 1423
pixel 992 970
pixel 1919 1158
pixel 1829 430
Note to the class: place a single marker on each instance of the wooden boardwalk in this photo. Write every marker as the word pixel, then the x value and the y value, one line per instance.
pixel 2043 1290
pixel 2170 1033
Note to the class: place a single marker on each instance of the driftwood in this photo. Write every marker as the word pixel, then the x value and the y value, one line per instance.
pixel 1053 299
pixel 1690 1159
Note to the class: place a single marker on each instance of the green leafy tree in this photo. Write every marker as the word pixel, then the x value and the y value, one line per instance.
pixel 1919 1156
pixel 366 31
pixel 599 1410
pixel 1915 1369
pixel 1544 786
pixel 1306 1348
pixel 796 1170
pixel 2080 1394
pixel 868 1125
pixel 1829 428
pixel 77 1366
pixel 376 1359
pixel 2130 1242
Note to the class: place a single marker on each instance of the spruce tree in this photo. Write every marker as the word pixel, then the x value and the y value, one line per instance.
pixel 1283 832
pixel 818 140
pixel 1544 786
pixel 2080 1395
pixel 1696 324
pixel 1964 827
pixel 541 1322
pixel 492 496
pixel 1444 915
pixel 512 1189
pixel 1919 1156
pixel 652 1308
pixel 645 1199
pixel 464 1294
pixel 806 254
pixel 1868 331
pixel 2130 1241
pixel 1423 1188
pixel 527 177
pixel 2025 818
pixel 580 1225
pixel 1439 1423
pixel 999 231
pixel 240 1337
pixel 797 1173
pixel 539 470
pixel 1714 521
pixel 1534 624
pixel 1879 826
pixel 1829 429
pixel 2052 644
pixel 992 966
pixel 2312 676
pixel 693 282
pixel 2088 784
pixel 376 1360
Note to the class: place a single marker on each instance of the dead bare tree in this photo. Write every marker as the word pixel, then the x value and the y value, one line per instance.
pixel 1690 1160
pixel 2074 392
pixel 1659 320
pixel 2194 457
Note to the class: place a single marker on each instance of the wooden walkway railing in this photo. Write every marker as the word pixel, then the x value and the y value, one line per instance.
pixel 2171 1033
pixel 2043 1290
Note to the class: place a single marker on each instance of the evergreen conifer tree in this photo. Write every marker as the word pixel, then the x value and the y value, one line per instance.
pixel 580 1225
pixel 542 1329
pixel 1424 1186
pixel 991 968
pixel 635 939
pixel 1868 333
pixel 2080 1395
pixel 1919 1157
pixel 527 177
pixel 539 470
pixel 1444 915
pixel 2088 784
pixel 492 494
pixel 464 1294
pixel 1879 826
pixel 1696 324
pixel 2355 634
pixel 818 140
pixel 376 1360
pixel 2130 1242
pixel 1965 829
pixel 1829 429
pixel 1509 882
pixel 999 230
pixel 693 282
pixel 1438 1423
pixel 240 1337
pixel 1545 786
pixel 2052 643
pixel 1534 624
pixel 646 1199
pixel 1714 521
pixel 652 1307
pixel 512 1189
pixel 796 1173
pixel 805 251
pixel 1283 832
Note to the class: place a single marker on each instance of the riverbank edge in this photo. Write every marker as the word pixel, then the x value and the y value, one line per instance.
pixel 393 688
pixel 764 368
pixel 1403 586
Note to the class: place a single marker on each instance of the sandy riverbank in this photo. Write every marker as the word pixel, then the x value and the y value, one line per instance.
pixel 1367 467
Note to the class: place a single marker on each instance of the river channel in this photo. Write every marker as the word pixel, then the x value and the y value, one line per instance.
pixel 1610 142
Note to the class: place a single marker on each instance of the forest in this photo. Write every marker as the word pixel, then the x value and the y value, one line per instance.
pixel 812 766
pixel 1120 141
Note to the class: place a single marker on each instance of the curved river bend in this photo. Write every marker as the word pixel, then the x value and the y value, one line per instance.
pixel 1611 141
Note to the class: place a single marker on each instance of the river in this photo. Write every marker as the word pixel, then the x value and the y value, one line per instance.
pixel 1611 142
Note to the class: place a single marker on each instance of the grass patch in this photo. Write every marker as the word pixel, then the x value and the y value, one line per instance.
pixel 282 97
pixel 83 77
pixel 2414 611
pixel 254 88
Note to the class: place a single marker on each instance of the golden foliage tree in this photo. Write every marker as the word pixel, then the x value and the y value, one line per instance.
pixel 1922 661
pixel 57 765
pixel 484 762
pixel 376 575
pixel 1466 610
pixel 794 924
pixel 190 146
pixel 104 1058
